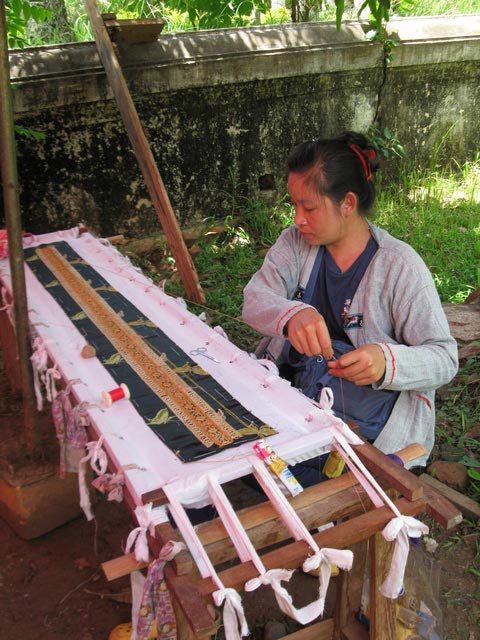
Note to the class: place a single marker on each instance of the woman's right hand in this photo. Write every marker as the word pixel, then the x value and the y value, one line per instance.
pixel 308 333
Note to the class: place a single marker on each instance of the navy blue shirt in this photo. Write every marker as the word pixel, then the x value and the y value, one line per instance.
pixel 335 289
pixel 331 291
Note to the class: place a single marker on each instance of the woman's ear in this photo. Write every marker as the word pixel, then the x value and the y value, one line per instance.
pixel 349 203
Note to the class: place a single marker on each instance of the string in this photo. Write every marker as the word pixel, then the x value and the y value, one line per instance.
pixel 344 413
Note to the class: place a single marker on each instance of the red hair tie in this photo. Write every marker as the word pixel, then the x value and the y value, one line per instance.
pixel 369 153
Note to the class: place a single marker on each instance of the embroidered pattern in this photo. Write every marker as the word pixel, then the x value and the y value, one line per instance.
pixel 209 426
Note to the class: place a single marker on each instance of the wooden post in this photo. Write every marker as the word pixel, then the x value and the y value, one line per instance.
pixel 8 157
pixel 145 158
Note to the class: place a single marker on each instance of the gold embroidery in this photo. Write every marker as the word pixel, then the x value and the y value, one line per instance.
pixel 206 424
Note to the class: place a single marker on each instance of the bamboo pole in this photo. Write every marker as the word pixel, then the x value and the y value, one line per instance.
pixel 8 157
pixel 144 155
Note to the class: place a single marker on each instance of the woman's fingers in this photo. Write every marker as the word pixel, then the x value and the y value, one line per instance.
pixel 362 366
pixel 308 333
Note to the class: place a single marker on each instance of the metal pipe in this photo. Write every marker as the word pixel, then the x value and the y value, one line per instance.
pixel 8 158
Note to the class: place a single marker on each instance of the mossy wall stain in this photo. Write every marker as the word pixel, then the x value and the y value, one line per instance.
pixel 217 145
pixel 211 146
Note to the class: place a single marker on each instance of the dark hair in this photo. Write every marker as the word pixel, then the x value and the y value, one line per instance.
pixel 337 166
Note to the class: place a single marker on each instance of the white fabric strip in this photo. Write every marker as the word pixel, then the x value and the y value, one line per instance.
pixel 322 558
pixel 234 619
pixel 245 549
pixel 398 529
pixel 99 463
pixel 137 538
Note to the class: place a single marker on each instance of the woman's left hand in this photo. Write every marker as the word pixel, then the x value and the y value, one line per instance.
pixel 362 366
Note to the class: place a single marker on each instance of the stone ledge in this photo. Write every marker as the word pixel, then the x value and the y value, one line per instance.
pixel 66 74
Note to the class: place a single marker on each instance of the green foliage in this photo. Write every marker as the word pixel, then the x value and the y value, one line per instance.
pixel 436 211
pixel 32 134
pixel 385 142
pixel 280 15
pixel 209 14
pixel 458 412
pixel 18 14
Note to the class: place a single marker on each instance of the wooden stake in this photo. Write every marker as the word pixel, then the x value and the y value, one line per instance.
pixel 144 155
pixel 8 161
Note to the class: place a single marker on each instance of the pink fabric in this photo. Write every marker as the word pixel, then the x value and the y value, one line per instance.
pixel 156 604
pixel 112 484
pixel 245 549
pixel 399 529
pixel 28 238
pixel 137 538
pixel 69 424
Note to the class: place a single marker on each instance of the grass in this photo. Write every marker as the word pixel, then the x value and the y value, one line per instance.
pixel 437 212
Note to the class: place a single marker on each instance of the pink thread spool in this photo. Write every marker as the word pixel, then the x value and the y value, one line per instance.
pixel 109 397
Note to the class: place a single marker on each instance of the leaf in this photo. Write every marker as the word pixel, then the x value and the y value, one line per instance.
pixel 340 8
pixel 162 417
pixel 26 10
pixel 116 358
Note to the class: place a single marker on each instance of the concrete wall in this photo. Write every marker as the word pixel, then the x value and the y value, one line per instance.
pixel 222 108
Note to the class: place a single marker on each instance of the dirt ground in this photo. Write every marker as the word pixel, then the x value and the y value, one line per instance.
pixel 53 587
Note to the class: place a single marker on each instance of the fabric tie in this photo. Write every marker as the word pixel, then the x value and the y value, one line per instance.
pixel 77 422
pixel 63 415
pixel 61 406
pixel 7 306
pixel 156 604
pixel 326 400
pixel 234 619
pixel 48 379
pixel 324 558
pixel 400 529
pixel 99 463
pixel 274 577
pixel 112 484
pixel 39 360
pixel 137 538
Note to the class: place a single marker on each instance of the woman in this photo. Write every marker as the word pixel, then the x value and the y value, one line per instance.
pixel 349 306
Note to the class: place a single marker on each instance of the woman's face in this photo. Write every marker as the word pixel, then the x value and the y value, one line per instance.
pixel 319 218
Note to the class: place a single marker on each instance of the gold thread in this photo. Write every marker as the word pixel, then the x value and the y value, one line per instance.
pixel 205 423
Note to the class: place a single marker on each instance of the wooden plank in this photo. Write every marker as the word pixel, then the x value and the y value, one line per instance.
pixel 396 476
pixel 199 615
pixel 325 502
pixel 349 589
pixel 355 631
pixel 468 507
pixel 382 613
pixel 444 512
pixel 138 139
pixel 291 556
pixel 122 566
pixel 141 30
pixel 319 631
pixel 381 610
